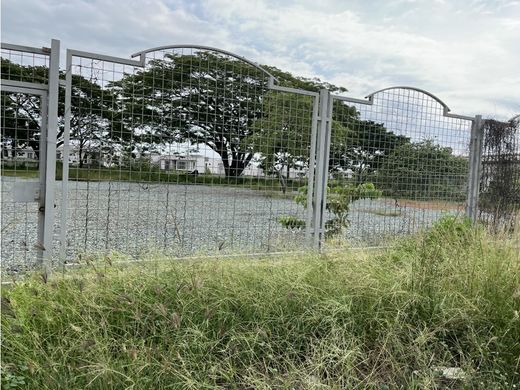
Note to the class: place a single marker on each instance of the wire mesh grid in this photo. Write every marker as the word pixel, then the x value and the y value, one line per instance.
pixel 395 166
pixel 22 118
pixel 499 202
pixel 191 154
pixel 194 154
pixel 24 66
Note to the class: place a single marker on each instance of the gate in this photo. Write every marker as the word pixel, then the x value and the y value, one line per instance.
pixel 29 123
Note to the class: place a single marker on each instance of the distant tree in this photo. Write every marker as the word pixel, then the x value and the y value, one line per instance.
pixel 424 170
pixel 21 114
pixel 93 118
pixel 282 136
pixel 359 146
pixel 205 98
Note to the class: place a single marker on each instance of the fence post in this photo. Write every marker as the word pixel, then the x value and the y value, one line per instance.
pixel 45 235
pixel 322 167
pixel 475 157
pixel 65 159
pixel 310 222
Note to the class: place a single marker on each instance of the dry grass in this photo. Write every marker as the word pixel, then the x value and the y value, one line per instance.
pixel 380 320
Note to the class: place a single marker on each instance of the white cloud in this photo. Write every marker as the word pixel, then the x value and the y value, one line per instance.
pixel 464 52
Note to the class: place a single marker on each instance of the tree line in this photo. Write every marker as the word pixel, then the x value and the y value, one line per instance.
pixel 205 98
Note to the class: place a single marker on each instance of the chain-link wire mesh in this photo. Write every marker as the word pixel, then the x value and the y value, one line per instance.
pixel 192 154
pixel 499 201
pixel 22 116
pixel 395 166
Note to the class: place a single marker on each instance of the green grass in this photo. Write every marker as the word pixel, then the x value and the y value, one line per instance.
pixel 156 176
pixel 29 173
pixel 376 320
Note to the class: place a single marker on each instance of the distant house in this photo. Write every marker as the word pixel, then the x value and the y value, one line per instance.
pixel 189 163
pixel 88 155
pixel 212 165
pixel 26 156
pixel 166 162
pixel 26 153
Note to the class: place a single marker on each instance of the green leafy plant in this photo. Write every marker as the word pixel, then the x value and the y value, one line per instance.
pixel 12 380
pixel 339 198
pixel 291 222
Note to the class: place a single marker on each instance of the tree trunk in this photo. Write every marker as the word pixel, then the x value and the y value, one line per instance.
pixel 80 156
pixel 35 145
pixel 239 162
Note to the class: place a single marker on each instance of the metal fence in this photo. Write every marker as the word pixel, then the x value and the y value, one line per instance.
pixel 30 78
pixel 165 154
pixel 404 160
pixel 191 150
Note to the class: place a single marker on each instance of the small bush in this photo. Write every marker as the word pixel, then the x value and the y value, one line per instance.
pixel 290 222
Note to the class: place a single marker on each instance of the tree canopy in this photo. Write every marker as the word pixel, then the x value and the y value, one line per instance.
pixel 206 98
pixel 93 116
pixel 424 170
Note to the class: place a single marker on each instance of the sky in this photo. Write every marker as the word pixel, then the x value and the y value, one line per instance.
pixel 466 52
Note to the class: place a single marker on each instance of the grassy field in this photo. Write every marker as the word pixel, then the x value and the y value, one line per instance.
pixel 439 310
pixel 156 176
pixel 29 173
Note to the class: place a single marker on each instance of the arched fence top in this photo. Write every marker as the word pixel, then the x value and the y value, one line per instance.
pixel 444 105
pixel 369 100
pixel 142 54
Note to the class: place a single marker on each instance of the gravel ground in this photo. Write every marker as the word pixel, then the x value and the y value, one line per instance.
pixel 182 220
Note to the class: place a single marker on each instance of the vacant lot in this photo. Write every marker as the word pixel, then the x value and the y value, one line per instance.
pixel 183 220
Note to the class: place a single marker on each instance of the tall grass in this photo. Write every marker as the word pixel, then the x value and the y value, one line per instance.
pixel 384 320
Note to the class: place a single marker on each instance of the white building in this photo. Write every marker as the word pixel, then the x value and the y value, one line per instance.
pixel 27 154
pixel 74 155
pixel 186 162
pixel 189 163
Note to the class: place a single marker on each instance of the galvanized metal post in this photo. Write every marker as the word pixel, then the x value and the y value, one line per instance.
pixel 326 159
pixel 65 158
pixel 310 223
pixel 42 169
pixel 475 157
pixel 322 163
pixel 50 156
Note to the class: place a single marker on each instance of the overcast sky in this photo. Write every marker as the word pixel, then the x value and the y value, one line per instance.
pixel 465 52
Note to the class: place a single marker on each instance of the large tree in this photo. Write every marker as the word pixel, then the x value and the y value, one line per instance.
pixel 423 170
pixel 204 98
pixel 94 118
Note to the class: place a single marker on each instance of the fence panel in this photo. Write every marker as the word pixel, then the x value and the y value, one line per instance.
pixel 191 154
pixel 26 188
pixel 397 163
